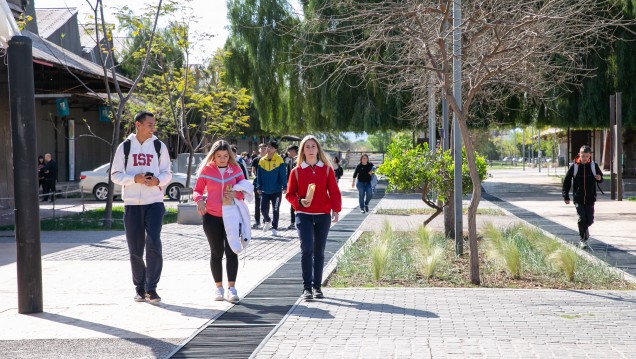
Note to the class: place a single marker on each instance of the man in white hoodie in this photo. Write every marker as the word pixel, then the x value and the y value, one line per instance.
pixel 142 167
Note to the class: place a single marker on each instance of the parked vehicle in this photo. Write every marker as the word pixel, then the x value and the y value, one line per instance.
pixel 96 182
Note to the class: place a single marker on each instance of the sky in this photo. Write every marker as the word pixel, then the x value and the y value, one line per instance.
pixel 213 19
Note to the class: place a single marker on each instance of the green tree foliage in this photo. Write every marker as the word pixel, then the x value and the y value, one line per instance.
pixel 259 59
pixel 587 105
pixel 410 168
pixel 380 141
pixel 193 102
pixel 166 47
pixel 266 43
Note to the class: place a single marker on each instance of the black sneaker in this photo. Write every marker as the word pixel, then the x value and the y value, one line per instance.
pixel 256 226
pixel 152 296
pixel 318 293
pixel 366 209
pixel 292 226
pixel 307 294
pixel 140 296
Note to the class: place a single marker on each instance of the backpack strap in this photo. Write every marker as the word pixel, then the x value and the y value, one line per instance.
pixel 157 144
pixel 126 153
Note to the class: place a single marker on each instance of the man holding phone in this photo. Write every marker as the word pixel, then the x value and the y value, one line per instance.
pixel 142 167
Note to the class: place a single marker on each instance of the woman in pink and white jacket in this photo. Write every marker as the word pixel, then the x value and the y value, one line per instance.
pixel 217 174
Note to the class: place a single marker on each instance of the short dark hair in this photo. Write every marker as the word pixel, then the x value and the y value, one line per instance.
pixel 141 116
pixel 262 145
pixel 585 149
pixel 234 149
pixel 292 148
pixel 273 144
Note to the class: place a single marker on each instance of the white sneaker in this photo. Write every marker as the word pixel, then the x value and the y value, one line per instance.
pixel 267 226
pixel 274 232
pixel 218 295
pixel 232 295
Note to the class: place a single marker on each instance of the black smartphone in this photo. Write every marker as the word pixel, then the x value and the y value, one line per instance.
pixel 149 174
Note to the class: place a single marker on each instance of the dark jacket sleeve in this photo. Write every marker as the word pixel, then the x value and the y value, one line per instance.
pixel 357 171
pixel 259 177
pixel 567 184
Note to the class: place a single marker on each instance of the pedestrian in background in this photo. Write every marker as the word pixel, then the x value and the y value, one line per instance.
pixel 217 174
pixel 363 173
pixel 337 168
pixel 271 182
pixel 290 162
pixel 41 165
pixel 262 149
pixel 50 178
pixel 314 194
pixel 142 167
pixel 240 161
pixel 583 176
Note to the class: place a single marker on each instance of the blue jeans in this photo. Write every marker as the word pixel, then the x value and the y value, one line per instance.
pixel 312 231
pixel 274 198
pixel 364 190
pixel 143 229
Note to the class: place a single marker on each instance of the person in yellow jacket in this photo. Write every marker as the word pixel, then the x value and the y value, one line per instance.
pixel 271 183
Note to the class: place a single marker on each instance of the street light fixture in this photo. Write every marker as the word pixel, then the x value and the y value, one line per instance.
pixel 19 52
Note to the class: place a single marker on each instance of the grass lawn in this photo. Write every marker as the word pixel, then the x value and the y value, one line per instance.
pixel 91 220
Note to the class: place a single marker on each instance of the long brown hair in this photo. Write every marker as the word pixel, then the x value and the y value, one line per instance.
pixel 322 155
pixel 220 145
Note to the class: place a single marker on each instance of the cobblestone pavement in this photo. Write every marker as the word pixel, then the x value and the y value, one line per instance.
pixel 458 323
pixel 186 243
pixel 465 322
pixel 89 310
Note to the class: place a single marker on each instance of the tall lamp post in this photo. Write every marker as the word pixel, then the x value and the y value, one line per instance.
pixel 457 136
pixel 25 181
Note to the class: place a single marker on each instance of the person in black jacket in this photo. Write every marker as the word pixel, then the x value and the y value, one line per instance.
pixel 363 173
pixel 583 177
pixel 290 162
pixel 41 166
pixel 262 150
pixel 50 177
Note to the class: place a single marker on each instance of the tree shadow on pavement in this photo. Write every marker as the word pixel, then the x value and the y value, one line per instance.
pixel 159 348
pixel 610 296
pixel 202 313
pixel 379 307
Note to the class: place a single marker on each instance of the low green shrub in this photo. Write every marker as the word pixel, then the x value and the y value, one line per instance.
pixel 429 252
pixel 504 248
pixel 566 260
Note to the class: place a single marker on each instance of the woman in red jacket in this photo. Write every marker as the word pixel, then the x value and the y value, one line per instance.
pixel 216 172
pixel 313 192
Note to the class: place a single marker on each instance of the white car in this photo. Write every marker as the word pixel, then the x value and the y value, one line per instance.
pixel 96 182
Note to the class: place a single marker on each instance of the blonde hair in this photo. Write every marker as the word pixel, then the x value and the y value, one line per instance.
pixel 322 155
pixel 220 145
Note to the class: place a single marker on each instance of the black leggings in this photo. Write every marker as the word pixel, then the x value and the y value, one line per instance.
pixel 215 231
